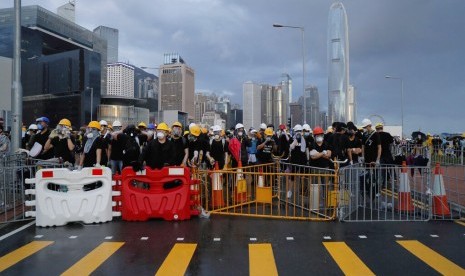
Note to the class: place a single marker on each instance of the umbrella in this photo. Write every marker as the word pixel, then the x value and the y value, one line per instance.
pixel 418 135
pixel 235 148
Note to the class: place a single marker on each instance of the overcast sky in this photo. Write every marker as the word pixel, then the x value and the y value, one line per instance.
pixel 229 42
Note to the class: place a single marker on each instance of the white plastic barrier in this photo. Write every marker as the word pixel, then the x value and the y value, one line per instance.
pixel 63 196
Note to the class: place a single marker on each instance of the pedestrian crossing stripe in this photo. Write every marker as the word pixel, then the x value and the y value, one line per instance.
pixel 22 253
pixel 261 258
pixel 432 258
pixel 346 259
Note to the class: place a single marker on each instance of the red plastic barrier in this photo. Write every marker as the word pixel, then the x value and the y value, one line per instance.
pixel 161 193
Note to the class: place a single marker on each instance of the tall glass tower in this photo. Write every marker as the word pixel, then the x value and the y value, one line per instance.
pixel 338 63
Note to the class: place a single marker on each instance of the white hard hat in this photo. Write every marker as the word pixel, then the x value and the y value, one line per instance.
pixel 263 126
pixel 103 123
pixel 238 126
pixel 32 127
pixel 307 127
pixel 216 128
pixel 366 122
pixel 116 124
pixel 253 131
pixel 297 127
pixel 191 125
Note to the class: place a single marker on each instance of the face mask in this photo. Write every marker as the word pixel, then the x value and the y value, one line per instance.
pixel 319 139
pixel 176 132
pixel 365 130
pixel 150 133
pixel 298 135
pixel 306 134
pixel 279 132
pixel 39 127
pixel 191 138
pixel 90 135
pixel 240 133
pixel 268 139
pixel 217 137
pixel 160 135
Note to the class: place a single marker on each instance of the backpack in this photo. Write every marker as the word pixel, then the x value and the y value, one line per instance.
pixel 132 148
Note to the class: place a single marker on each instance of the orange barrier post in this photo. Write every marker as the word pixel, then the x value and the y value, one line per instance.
pixel 217 188
pixel 261 181
pixel 440 205
pixel 241 185
pixel 405 203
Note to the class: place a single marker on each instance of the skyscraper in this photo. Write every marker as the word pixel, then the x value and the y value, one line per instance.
pixel 177 86
pixel 251 102
pixel 111 36
pixel 120 78
pixel 286 84
pixel 338 63
pixel 313 105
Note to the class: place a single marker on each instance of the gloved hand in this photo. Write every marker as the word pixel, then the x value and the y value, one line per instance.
pixel 212 161
pixel 66 133
pixel 136 166
pixel 377 162
pixel 53 134
pixel 97 165
pixel 361 160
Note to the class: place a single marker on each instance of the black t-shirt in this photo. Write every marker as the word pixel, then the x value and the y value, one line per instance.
pixel 320 162
pixel 180 144
pixel 371 141
pixel 117 146
pixel 356 143
pixel 42 138
pixel 283 145
pixel 264 155
pixel 298 156
pixel 193 146
pixel 106 140
pixel 339 146
pixel 61 149
pixel 90 158
pixel 157 155
pixel 386 141
pixel 217 151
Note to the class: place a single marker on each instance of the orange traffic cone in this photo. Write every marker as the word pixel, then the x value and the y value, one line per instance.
pixel 241 185
pixel 405 203
pixel 261 182
pixel 217 188
pixel 440 205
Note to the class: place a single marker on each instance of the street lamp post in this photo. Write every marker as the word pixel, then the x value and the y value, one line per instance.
pixel 401 97
pixel 303 62
pixel 91 102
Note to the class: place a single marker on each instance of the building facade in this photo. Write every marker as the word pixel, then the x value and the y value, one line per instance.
pixel 286 86
pixel 338 63
pixel 313 105
pixel 120 80
pixel 176 86
pixel 111 35
pixel 68 11
pixel 251 104
pixel 351 104
pixel 296 113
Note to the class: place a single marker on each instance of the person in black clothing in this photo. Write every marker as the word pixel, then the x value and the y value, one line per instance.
pixel 371 144
pixel 218 149
pixel 180 145
pixel 298 156
pixel 31 131
pixel 116 148
pixel 354 147
pixel 132 146
pixel 195 146
pixel 320 151
pixel 267 146
pixel 339 144
pixel 386 142
pixel 105 134
pixel 283 140
pixel 158 152
pixel 61 142
pixel 307 132
pixel 42 137
pixel 93 145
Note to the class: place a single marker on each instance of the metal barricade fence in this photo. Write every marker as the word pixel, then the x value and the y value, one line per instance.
pixel 384 193
pixel 275 190
pixel 14 169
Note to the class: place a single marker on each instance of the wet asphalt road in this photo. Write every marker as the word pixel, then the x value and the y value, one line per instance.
pixel 223 246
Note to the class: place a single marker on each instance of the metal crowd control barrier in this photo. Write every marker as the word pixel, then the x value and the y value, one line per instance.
pixel 164 193
pixel 275 190
pixel 385 193
pixel 14 170
pixel 63 196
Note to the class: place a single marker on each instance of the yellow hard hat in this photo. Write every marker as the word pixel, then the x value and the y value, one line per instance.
pixel 195 130
pixel 177 124
pixel 163 126
pixel 222 133
pixel 379 125
pixel 65 122
pixel 269 132
pixel 110 127
pixel 94 124
pixel 186 132
pixel 204 130
pixel 142 124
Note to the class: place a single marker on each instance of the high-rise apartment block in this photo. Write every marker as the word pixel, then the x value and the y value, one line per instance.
pixel 120 78
pixel 177 85
pixel 251 104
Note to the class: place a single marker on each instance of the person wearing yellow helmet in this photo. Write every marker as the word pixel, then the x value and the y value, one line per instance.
pixel 180 145
pixel 195 146
pixel 93 145
pixel 267 146
pixel 61 141
pixel 158 152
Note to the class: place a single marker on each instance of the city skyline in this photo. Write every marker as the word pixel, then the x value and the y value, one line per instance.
pixel 398 38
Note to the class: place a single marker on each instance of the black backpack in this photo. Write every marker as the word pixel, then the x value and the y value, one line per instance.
pixel 132 148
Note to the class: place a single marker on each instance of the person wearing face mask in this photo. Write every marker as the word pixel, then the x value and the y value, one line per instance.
pixel 195 145
pixel 158 153
pixel 93 145
pixel 354 145
pixel 218 149
pixel 245 142
pixel 338 142
pixel 371 144
pixel 61 141
pixel 26 141
pixel 132 146
pixel 105 134
pixel 266 148
pixel 180 145
pixel 283 140
pixel 151 129
pixel 116 147
pixel 42 136
pixel 298 156
pixel 307 132
pixel 320 151
pixel 252 149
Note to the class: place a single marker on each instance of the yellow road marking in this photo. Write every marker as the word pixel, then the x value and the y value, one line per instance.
pixel 461 222
pixel 94 259
pixel 346 259
pixel 261 260
pixel 432 258
pixel 22 253
pixel 177 260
